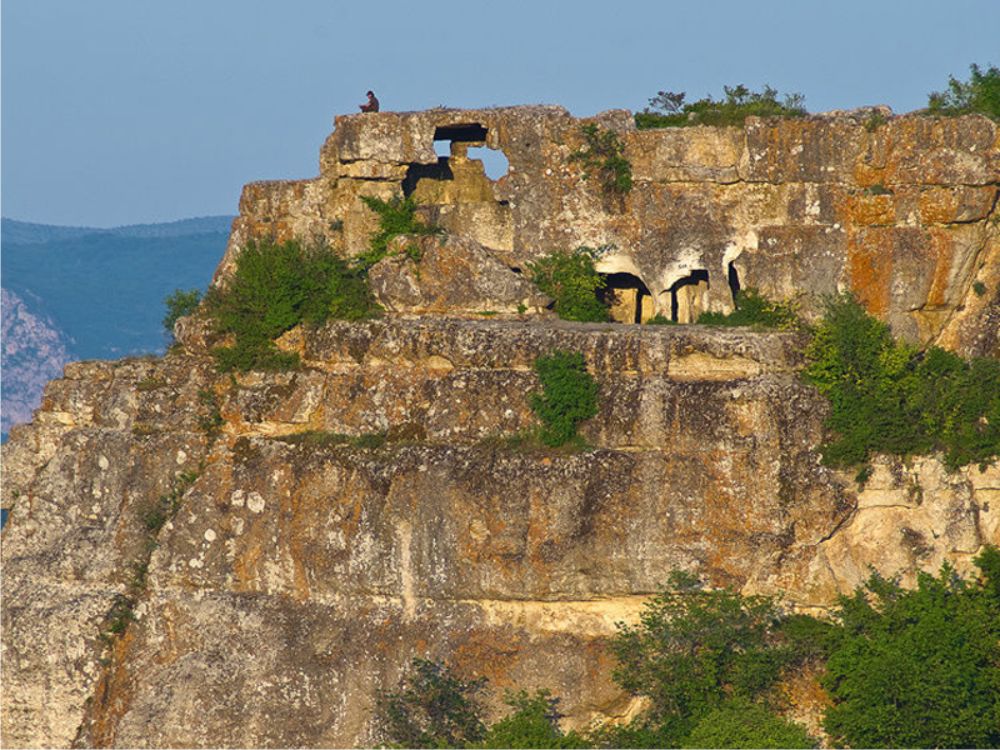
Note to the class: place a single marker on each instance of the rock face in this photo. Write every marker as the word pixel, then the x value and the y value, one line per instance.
pixel 303 571
pixel 448 275
pixel 903 213
pixel 196 559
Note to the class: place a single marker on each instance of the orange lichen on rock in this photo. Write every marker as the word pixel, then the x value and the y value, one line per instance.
pixel 870 269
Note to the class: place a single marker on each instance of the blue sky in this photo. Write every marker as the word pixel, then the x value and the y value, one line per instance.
pixel 127 111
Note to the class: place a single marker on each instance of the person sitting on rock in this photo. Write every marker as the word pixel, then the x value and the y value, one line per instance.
pixel 372 105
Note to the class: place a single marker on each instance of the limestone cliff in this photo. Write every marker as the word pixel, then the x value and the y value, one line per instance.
pixel 303 570
pixel 904 213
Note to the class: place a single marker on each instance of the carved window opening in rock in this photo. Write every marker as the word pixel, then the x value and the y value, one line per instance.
pixel 689 297
pixel 456 178
pixel 495 163
pixel 627 297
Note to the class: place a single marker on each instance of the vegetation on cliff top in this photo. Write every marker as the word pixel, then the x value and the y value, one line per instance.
pixel 276 287
pixel 669 110
pixel 980 94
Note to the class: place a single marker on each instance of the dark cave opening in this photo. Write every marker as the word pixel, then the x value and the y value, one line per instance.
pixel 627 297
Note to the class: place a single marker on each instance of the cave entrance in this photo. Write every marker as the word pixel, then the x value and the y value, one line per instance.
pixel 689 297
pixel 734 281
pixel 628 299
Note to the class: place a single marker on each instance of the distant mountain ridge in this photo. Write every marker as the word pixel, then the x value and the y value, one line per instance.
pixel 89 293
pixel 26 232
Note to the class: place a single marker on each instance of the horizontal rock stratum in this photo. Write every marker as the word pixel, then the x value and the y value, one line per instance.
pixel 308 563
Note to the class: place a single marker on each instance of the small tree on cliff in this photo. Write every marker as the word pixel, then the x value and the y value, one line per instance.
pixel 432 708
pixel 568 397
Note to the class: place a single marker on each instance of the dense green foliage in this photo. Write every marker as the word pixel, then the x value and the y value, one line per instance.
pixel 179 303
pixel 569 396
pixel 274 288
pixel 980 94
pixel 533 723
pixel 395 217
pixel 890 398
pixel 753 309
pixel 693 650
pixel 603 157
pixel 742 723
pixel 668 109
pixel 432 708
pixel 572 281
pixel 918 668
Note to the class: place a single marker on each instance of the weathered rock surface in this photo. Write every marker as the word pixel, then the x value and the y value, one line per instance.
pixel 449 275
pixel 338 520
pixel 904 214
pixel 303 572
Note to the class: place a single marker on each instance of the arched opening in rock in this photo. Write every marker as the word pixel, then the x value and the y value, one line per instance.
pixel 627 297
pixel 689 297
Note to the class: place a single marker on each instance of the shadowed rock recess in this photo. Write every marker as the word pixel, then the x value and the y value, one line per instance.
pixel 304 565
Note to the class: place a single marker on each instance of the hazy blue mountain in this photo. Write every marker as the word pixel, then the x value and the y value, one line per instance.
pixel 24 232
pixel 100 290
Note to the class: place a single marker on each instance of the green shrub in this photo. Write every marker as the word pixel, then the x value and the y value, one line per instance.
pixel 918 668
pixel 753 309
pixel 668 109
pixel 890 398
pixel 179 303
pixel 534 723
pixel 603 157
pixel 396 216
pixel 432 708
pixel 274 288
pixel 694 649
pixel 742 723
pixel 875 120
pixel 980 94
pixel 572 281
pixel 660 320
pixel 569 396
pixel 979 288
